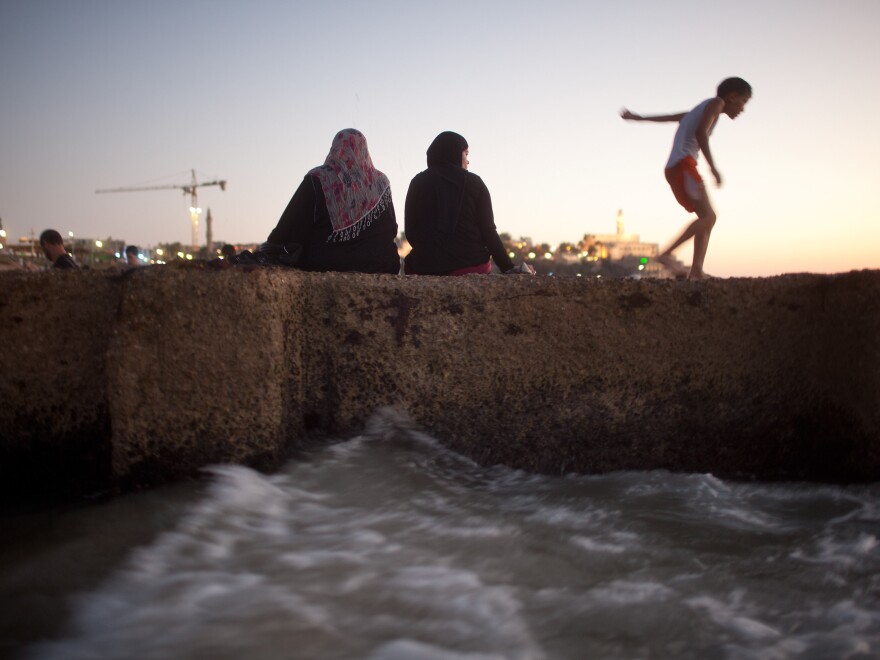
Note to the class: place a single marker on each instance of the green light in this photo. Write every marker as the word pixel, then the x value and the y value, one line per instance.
pixel 643 260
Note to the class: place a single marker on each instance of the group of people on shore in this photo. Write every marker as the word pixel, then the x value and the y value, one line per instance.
pixel 341 216
pixel 53 248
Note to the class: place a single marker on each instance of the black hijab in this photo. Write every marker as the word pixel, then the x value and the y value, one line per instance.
pixel 446 149
pixel 449 177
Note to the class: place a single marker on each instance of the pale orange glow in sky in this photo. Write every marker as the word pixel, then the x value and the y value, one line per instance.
pixel 102 94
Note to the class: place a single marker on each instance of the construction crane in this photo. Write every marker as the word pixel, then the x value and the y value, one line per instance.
pixel 190 189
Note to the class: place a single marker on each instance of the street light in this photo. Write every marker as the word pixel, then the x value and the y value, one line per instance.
pixel 98 244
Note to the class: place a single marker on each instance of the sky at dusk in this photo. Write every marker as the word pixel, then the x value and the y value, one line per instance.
pixel 101 94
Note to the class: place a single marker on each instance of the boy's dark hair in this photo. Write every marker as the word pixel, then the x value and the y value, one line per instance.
pixel 51 237
pixel 131 249
pixel 733 86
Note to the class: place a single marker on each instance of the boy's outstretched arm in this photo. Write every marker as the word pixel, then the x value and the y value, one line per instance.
pixel 626 114
pixel 707 121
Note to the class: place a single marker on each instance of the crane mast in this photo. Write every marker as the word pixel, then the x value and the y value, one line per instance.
pixel 190 189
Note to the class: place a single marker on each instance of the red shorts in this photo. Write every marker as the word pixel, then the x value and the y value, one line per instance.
pixel 686 183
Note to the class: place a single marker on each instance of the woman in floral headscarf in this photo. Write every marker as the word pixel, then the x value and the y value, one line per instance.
pixel 341 217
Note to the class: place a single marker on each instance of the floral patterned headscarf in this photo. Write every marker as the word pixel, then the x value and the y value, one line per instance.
pixel 356 193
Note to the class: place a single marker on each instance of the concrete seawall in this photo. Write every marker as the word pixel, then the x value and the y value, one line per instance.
pixel 116 380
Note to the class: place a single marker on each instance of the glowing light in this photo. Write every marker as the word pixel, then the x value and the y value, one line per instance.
pixel 3 233
pixel 189 257
pixel 1 246
pixel 531 255
pixel 180 255
pixel 548 255
pixel 160 251
pixel 511 254
pixel 99 244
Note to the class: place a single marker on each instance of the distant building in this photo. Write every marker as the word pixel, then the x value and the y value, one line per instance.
pixel 622 245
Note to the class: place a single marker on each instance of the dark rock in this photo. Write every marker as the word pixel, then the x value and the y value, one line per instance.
pixel 123 382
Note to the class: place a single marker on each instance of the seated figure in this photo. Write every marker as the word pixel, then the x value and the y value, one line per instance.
pixel 448 216
pixel 341 217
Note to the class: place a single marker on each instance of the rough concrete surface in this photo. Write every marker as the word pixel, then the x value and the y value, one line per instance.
pixel 117 380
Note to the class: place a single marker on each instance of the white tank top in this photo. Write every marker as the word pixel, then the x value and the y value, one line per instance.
pixel 685 141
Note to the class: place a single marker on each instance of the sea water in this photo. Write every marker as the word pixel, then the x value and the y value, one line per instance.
pixel 387 545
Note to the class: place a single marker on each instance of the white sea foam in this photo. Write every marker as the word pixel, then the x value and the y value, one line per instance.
pixel 625 592
pixel 729 615
pixel 408 649
pixel 738 517
pixel 389 546
pixel 565 516
pixel 841 552
pixel 592 545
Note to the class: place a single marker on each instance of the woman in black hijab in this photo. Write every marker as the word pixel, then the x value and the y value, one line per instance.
pixel 448 216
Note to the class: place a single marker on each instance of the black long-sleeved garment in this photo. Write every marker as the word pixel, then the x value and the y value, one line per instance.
pixel 437 250
pixel 306 222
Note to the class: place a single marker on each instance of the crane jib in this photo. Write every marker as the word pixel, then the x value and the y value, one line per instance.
pixel 190 189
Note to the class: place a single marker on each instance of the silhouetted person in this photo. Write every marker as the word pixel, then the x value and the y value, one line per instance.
pixel 227 251
pixel 53 248
pixel 449 219
pixel 131 255
pixel 340 218
pixel 691 138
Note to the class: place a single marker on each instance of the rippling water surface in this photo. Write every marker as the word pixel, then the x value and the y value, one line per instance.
pixel 389 546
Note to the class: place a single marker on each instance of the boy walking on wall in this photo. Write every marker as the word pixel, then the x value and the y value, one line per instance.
pixel 692 137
